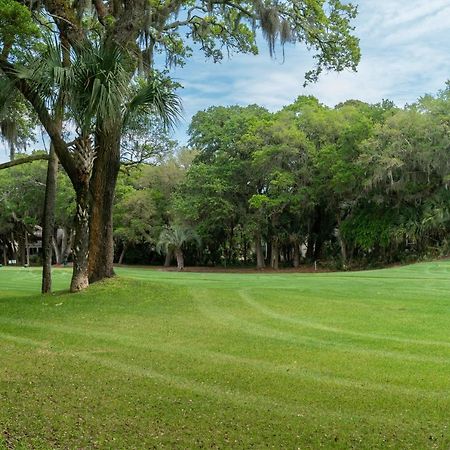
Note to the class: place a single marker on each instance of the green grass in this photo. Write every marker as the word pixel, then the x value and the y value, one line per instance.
pixel 184 360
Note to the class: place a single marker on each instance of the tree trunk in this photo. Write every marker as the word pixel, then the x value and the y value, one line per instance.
pixel 80 276
pixel 49 221
pixel 259 252
pixel 5 256
pixel 56 251
pixel 245 251
pixel 27 250
pixel 122 253
pixel 180 258
pixel 68 247
pixel 64 241
pixel 296 258
pixel 275 253
pixel 102 187
pixel 168 258
pixel 12 151
pixel 14 248
pixel 22 249
pixel 310 248
pixel 342 245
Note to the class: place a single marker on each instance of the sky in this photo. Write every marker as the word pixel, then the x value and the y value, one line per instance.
pixel 405 49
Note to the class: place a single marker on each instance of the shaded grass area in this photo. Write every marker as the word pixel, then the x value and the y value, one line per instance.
pixel 185 360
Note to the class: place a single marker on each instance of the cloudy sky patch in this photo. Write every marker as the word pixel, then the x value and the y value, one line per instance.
pixel 405 54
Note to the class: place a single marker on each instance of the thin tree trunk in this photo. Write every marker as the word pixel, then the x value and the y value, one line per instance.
pixel 56 251
pixel 52 175
pixel 310 248
pixel 275 253
pixel 22 249
pixel 102 187
pixel 68 248
pixel 342 245
pixel 5 256
pixel 122 253
pixel 259 252
pixel 27 250
pixel 245 251
pixel 14 248
pixel 296 258
pixel 49 221
pixel 80 276
pixel 63 247
pixel 180 258
pixel 275 244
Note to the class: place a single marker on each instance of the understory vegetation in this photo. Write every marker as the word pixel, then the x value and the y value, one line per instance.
pixel 357 185
pixel 186 360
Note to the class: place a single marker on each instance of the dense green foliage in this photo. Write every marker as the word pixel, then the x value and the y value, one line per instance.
pixel 21 210
pixel 185 360
pixel 355 184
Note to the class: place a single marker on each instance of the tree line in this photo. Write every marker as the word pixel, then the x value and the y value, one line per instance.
pixel 357 185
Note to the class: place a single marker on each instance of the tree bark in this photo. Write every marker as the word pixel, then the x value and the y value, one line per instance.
pixel 68 247
pixel 245 250
pixel 102 187
pixel 296 258
pixel 27 250
pixel 49 221
pixel 275 253
pixel 56 251
pixel 80 276
pixel 259 252
pixel 14 248
pixel 180 258
pixel 275 243
pixel 342 245
pixel 122 254
pixel 22 249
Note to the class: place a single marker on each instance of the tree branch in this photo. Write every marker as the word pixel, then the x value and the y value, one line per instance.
pixel 101 10
pixel 46 120
pixel 28 159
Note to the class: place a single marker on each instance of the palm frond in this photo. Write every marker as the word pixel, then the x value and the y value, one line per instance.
pixel 157 97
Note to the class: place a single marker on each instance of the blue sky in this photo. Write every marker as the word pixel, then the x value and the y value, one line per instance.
pixel 405 54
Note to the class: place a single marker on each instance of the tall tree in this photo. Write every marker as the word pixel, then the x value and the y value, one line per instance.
pixel 141 29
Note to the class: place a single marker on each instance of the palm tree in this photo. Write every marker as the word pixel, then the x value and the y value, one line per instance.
pixel 97 92
pixel 172 240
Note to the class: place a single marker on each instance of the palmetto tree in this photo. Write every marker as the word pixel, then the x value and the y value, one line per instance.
pixel 172 240
pixel 97 94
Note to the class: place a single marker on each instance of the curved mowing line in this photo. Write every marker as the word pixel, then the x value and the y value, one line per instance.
pixel 247 327
pixel 318 326
pixel 233 396
pixel 225 358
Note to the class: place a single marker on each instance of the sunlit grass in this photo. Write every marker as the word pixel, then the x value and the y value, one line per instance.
pixel 187 360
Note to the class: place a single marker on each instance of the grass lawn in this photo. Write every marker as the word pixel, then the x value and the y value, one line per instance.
pixel 205 360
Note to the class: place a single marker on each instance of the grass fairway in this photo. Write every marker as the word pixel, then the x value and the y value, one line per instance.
pixel 185 360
